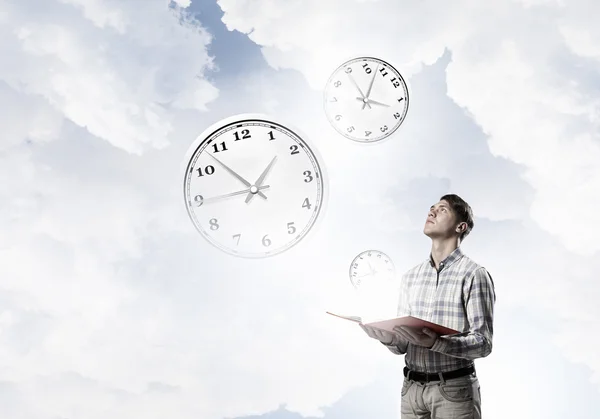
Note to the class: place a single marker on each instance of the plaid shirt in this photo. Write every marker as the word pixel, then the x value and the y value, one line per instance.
pixel 460 296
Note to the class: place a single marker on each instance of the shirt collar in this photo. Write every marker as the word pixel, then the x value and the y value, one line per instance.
pixel 449 260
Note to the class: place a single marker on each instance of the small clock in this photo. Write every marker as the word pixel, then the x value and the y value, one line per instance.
pixel 253 187
pixel 366 99
pixel 371 267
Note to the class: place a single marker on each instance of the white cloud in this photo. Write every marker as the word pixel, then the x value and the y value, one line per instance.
pixel 124 74
pixel 314 37
pixel 102 13
pixel 532 125
pixel 119 70
pixel 41 124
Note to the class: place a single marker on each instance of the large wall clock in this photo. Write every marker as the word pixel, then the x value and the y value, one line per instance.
pixel 253 187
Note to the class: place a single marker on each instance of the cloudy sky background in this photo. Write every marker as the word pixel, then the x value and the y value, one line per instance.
pixel 111 305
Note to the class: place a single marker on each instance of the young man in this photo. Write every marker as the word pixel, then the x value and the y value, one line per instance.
pixel 452 290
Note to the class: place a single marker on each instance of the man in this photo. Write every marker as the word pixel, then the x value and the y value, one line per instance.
pixel 451 290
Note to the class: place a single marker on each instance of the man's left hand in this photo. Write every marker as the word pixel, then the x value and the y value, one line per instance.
pixel 421 337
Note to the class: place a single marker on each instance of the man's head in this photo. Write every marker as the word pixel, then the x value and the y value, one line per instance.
pixel 450 217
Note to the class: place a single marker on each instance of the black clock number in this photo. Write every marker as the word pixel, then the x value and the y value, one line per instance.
pixel 367 133
pixel 350 129
pixel 216 147
pixel 395 82
pixel 294 149
pixel 397 115
pixel 245 134
pixel 306 204
pixel 238 238
pixel 208 170
pixel 383 72
pixel 214 224
pixel 348 70
pixel 401 99
pixel 383 129
pixel 309 178
pixel 291 228
pixel 271 137
pixel 338 117
pixel 337 83
pixel 198 200
pixel 265 241
pixel 367 69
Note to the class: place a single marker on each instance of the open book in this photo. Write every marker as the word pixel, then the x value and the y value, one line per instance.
pixel 409 321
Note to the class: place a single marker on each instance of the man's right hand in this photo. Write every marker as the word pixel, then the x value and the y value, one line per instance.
pixel 383 336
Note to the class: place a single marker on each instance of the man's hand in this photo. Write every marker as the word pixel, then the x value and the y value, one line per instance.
pixel 422 337
pixel 383 336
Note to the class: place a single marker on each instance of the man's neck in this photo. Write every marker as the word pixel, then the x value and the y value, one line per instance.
pixel 440 249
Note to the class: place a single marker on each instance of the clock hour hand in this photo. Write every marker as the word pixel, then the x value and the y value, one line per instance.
pixel 261 179
pixel 238 177
pixel 219 197
pixel 373 101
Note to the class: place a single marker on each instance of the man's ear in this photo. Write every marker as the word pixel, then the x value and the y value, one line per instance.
pixel 461 227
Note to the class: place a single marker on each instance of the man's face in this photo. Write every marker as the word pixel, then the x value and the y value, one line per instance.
pixel 441 221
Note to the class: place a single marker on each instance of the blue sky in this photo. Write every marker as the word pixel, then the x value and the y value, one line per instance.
pixel 111 304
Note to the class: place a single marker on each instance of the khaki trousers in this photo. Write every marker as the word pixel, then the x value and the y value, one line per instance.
pixel 456 398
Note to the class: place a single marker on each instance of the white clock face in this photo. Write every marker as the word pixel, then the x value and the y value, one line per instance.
pixel 253 187
pixel 366 99
pixel 371 268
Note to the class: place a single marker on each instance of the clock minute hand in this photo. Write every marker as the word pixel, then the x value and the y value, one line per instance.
pixel 219 197
pixel 261 179
pixel 370 86
pixel 372 80
pixel 379 103
pixel 358 88
pixel 374 101
pixel 238 177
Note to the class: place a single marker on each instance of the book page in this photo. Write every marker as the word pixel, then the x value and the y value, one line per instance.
pixel 378 301
pixel 371 302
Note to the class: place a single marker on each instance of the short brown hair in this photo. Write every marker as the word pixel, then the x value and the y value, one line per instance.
pixel 463 212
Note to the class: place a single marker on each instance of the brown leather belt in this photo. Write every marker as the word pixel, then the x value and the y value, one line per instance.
pixel 425 377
